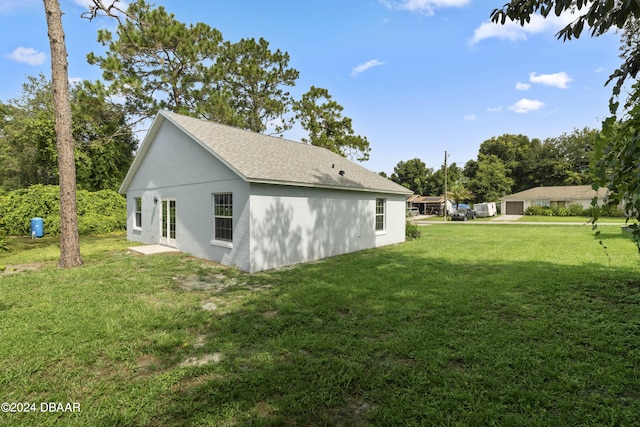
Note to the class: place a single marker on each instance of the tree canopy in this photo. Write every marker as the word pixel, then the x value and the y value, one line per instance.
pixel 104 143
pixel 507 164
pixel 322 118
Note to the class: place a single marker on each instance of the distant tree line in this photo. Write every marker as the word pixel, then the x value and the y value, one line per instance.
pixel 506 164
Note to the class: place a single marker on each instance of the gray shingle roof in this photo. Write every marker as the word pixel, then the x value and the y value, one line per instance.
pixel 265 159
pixel 558 193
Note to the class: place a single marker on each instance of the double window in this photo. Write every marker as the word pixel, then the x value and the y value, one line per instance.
pixel 223 217
pixel 381 205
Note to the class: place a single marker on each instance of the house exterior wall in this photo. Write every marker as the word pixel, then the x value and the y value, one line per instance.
pixel 290 225
pixel 273 225
pixel 190 178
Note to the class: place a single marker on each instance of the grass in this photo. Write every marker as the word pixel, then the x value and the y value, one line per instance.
pixel 574 219
pixel 480 325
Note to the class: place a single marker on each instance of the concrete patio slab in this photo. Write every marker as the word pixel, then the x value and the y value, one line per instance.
pixel 153 249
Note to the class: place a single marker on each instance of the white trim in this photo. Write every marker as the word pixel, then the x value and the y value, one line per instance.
pixel 221 244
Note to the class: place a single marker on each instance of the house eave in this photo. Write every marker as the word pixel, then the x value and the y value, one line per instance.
pixel 322 186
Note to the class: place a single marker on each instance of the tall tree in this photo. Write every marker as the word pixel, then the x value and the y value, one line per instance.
pixel 69 238
pixel 254 77
pixel 490 180
pixel 322 118
pixel 459 193
pixel 412 174
pixel 435 181
pixel 574 151
pixel 156 62
pixel 516 152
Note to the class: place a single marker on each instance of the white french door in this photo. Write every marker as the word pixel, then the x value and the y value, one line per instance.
pixel 168 222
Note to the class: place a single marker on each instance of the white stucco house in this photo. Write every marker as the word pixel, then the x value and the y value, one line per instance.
pixel 554 196
pixel 253 201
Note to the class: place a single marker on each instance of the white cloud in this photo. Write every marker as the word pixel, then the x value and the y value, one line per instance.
pixel 557 79
pixel 513 31
pixel 470 117
pixel 523 86
pixel 427 7
pixel 27 55
pixel 364 67
pixel 526 105
pixel 494 109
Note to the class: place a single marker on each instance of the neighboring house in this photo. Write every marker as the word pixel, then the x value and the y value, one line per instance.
pixel 562 196
pixel 254 201
pixel 429 205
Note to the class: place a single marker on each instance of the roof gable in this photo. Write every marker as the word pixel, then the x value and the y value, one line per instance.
pixel 259 158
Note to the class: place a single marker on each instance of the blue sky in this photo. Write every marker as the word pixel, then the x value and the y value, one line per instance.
pixel 418 77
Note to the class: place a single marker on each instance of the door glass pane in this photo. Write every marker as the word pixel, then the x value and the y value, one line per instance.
pixel 165 212
pixel 172 219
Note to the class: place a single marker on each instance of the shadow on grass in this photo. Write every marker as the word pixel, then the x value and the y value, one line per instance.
pixel 394 337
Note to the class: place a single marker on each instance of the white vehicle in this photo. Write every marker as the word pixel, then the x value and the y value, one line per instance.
pixel 485 209
pixel 413 211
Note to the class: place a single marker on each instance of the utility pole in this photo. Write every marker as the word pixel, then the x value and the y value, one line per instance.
pixel 445 186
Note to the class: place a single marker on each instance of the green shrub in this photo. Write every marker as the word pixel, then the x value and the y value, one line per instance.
pixel 411 231
pixel 98 212
pixel 538 211
pixel 576 210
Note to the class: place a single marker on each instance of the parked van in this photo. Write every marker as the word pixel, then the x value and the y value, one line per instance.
pixel 485 209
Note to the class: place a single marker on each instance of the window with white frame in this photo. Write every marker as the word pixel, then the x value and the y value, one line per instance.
pixel 381 205
pixel 545 203
pixel 223 217
pixel 137 221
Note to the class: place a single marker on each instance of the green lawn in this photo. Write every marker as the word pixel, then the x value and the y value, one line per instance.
pixel 474 325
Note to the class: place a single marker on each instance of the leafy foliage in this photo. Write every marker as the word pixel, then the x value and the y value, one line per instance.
pixel 412 174
pixel 99 212
pixel 411 231
pixel 103 142
pixel 254 77
pixel 156 62
pixel 489 178
pixel 327 127
pixel 616 165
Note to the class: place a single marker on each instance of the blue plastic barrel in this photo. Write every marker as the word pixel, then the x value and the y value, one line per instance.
pixel 37 227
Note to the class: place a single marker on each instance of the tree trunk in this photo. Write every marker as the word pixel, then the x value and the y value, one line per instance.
pixel 69 242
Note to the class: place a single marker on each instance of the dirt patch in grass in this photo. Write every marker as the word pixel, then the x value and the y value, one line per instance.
pixel 353 413
pixel 202 360
pixel 210 282
pixel 21 268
